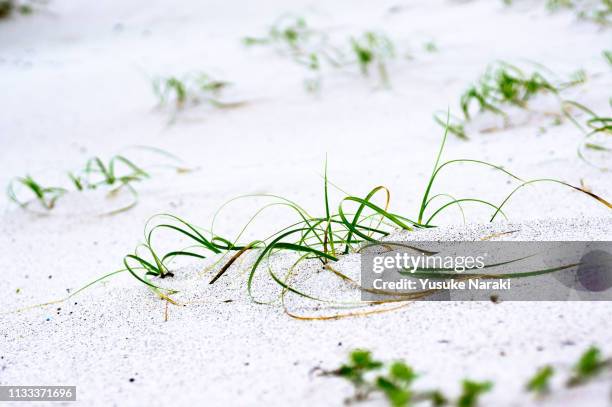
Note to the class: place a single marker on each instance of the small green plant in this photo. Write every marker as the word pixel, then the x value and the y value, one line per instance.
pixel 397 383
pixel 115 174
pixel 46 196
pixel 289 33
pixel 501 86
pixel 598 11
pixel 430 46
pixel 190 90
pixel 471 392
pixel 504 84
pixel 540 382
pixel 292 36
pixel 373 50
pixel 590 364
pixel 360 363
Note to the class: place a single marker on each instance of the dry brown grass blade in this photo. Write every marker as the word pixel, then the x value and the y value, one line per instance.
pixel 592 195
pixel 341 316
pixel 230 262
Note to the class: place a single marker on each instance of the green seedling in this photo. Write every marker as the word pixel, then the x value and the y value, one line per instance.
pixel 502 86
pixel 599 12
pixel 45 196
pixel 590 364
pixel 430 46
pixel 293 37
pixel 471 392
pixel 373 50
pixel 540 382
pixel 397 385
pixel 360 363
pixel 190 90
pixel 115 174
pixel 287 33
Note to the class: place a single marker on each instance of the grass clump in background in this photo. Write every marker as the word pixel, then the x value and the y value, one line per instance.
pixel 598 11
pixel 293 37
pixel 395 380
pixel 191 90
pixel 373 50
pixel 502 86
pixel 589 366
pixel 115 174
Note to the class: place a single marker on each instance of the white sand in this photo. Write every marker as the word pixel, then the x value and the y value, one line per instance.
pixel 74 85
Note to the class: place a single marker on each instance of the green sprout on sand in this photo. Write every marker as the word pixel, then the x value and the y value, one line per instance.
pixel 501 86
pixel 372 51
pixel 590 365
pixel 540 382
pixel 191 90
pixel 397 383
pixel 293 37
pixel 115 174
pixel 599 11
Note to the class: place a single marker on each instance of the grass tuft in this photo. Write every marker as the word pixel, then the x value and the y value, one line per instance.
pixel 502 86
pixel 115 174
pixel 397 384
pixel 373 50
pixel 599 11
pixel 191 90
pixel 315 239
pixel 293 37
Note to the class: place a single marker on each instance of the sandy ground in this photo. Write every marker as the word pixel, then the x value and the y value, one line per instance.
pixel 74 82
